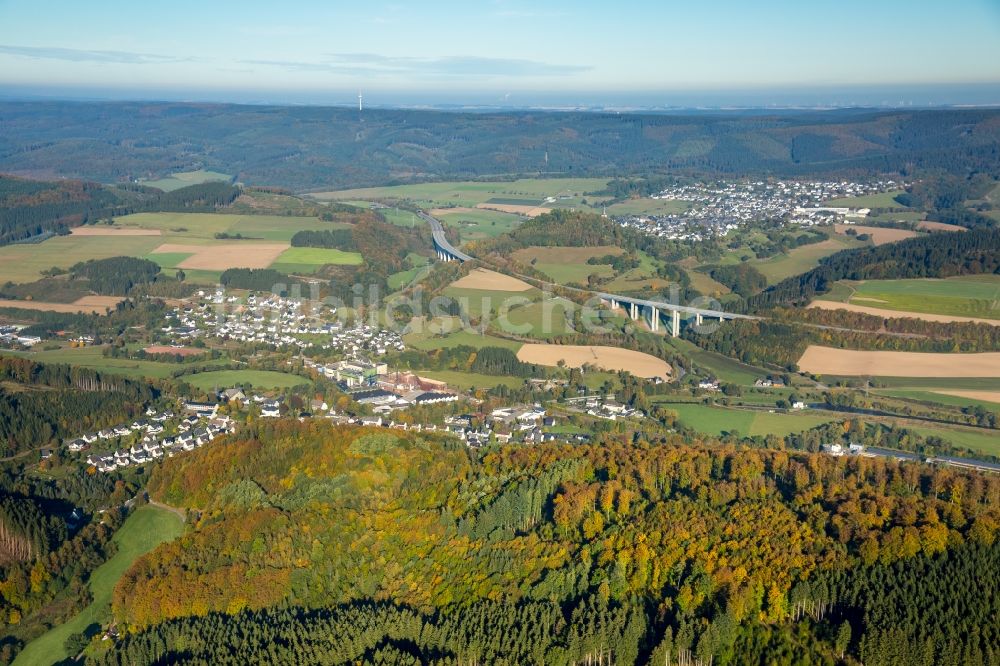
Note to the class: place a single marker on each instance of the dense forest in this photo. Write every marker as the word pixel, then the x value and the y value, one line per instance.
pixel 34 210
pixel 53 402
pixel 339 239
pixel 255 279
pixel 115 275
pixel 623 550
pixel 324 148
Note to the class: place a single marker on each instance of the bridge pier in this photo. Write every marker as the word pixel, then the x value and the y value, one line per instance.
pixel 654 319
pixel 635 311
pixel 698 318
pixel 675 321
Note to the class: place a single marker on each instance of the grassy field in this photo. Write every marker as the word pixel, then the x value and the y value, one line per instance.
pixel 261 379
pixel 467 380
pixel 176 181
pixel 428 339
pixel 544 319
pixel 470 193
pixel 880 200
pixel 477 301
pixel 92 357
pixel 144 530
pixel 724 368
pixel 714 420
pixel 25 263
pixel 938 398
pixel 802 258
pixel 479 224
pixel 973 383
pixel 977 440
pixel 966 296
pixel 310 259
pixel 565 265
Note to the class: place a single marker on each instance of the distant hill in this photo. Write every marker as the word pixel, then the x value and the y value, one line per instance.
pixel 313 147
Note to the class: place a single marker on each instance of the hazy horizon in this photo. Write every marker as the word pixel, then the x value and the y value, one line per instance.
pixel 508 53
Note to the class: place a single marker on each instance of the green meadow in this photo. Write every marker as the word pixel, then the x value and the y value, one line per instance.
pixel 470 193
pixel 967 296
pixel 261 379
pixel 144 530
pixel 176 181
pixel 880 200
pixel 803 258
pixel 310 259
pixel 713 420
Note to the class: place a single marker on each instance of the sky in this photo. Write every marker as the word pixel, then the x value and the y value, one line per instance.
pixel 506 51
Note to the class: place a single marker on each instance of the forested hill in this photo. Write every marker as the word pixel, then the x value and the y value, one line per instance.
pixel 323 148
pixel 323 544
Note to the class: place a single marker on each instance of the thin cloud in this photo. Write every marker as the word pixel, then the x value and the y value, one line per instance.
pixel 83 55
pixel 374 64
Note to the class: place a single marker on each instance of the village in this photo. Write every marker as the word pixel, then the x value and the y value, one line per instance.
pixel 716 209
pixel 275 322
pixel 164 434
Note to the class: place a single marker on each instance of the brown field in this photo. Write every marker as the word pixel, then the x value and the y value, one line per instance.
pixel 927 225
pixel 607 358
pixel 558 254
pixel 880 235
pixel 167 349
pixel 848 362
pixel 113 231
pixel 528 211
pixel 882 312
pixel 219 257
pixel 88 304
pixel 985 396
pixel 481 278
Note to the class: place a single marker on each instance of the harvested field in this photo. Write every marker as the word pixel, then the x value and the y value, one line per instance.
pixel 927 225
pixel 225 255
pixel 606 358
pixel 985 396
pixel 528 211
pixel 113 231
pixel 880 235
pixel 850 363
pixel 167 349
pixel 481 278
pixel 884 312
pixel 87 304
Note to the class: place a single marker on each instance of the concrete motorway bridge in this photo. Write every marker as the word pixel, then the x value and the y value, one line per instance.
pixel 634 307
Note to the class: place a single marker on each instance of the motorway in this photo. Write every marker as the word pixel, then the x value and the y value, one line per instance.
pixel 444 245
pixel 439 238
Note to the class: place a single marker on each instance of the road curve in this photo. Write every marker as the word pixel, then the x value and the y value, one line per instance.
pixel 439 240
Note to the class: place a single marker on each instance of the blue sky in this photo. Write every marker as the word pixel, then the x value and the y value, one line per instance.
pixel 496 48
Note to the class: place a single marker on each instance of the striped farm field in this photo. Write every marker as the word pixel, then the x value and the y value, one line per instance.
pixel 820 360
